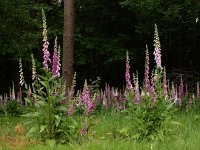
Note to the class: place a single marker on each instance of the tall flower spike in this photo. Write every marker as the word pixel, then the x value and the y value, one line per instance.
pixel 164 83
pixel 33 68
pixel 173 92
pixel 55 65
pixel 127 75
pixel 59 50
pixel 13 92
pixel 181 92
pixel 147 82
pixel 186 90
pixel 198 93
pixel 153 92
pixel 45 50
pixel 136 90
pixel 157 49
pixel 21 80
pixel 86 95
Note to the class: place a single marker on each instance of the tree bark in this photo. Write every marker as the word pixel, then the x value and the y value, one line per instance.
pixel 68 43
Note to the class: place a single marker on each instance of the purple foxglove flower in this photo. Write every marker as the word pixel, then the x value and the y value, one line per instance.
pixel 70 110
pixel 153 92
pixel 63 101
pixel 136 90
pixel 168 86
pixel 97 97
pixel 127 74
pixel 20 96
pixel 21 80
pixel 173 92
pixel 56 64
pixel 73 86
pixel 181 90
pixel 105 101
pixel 90 108
pixel 117 105
pixel 121 99
pixel 86 95
pixel 179 96
pixel 108 94
pixel 186 90
pixel 164 83
pixel 13 92
pixel 33 68
pixel 28 92
pixel 45 50
pixel 198 93
pixel 147 82
pixel 157 49
pixel 84 130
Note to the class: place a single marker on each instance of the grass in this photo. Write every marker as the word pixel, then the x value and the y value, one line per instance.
pixel 185 137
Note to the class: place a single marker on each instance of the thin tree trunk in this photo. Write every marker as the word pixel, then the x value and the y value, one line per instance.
pixel 68 43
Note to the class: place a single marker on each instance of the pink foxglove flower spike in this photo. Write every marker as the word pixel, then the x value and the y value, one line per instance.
pixel 21 80
pixel 45 50
pixel 56 61
pixel 157 49
pixel 127 75
pixel 147 82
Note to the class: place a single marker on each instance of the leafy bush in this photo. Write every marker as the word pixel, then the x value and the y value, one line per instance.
pixel 12 108
pixel 151 118
pixel 49 115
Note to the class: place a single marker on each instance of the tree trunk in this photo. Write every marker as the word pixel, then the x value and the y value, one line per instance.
pixel 68 43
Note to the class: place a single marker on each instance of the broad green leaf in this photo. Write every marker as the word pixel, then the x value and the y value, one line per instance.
pixel 62 108
pixel 31 132
pixel 42 128
pixel 57 121
pixel 42 103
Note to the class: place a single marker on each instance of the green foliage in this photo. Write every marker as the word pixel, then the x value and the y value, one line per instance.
pixel 13 108
pixel 49 116
pixel 152 119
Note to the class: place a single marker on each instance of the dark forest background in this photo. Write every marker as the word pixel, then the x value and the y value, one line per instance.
pixel 104 31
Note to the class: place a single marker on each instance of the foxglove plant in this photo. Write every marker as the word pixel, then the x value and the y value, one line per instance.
pixel 179 96
pixel 56 61
pixel 108 93
pixel 86 95
pixel 20 96
pixel 181 92
pixel 21 80
pixel 198 92
pixel 70 110
pixel 173 92
pixel 153 92
pixel 136 90
pixel 90 108
pixel 164 83
pixel 33 70
pixel 186 90
pixel 84 130
pixel 127 74
pixel 157 49
pixel 147 82
pixel 13 92
pixel 45 50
